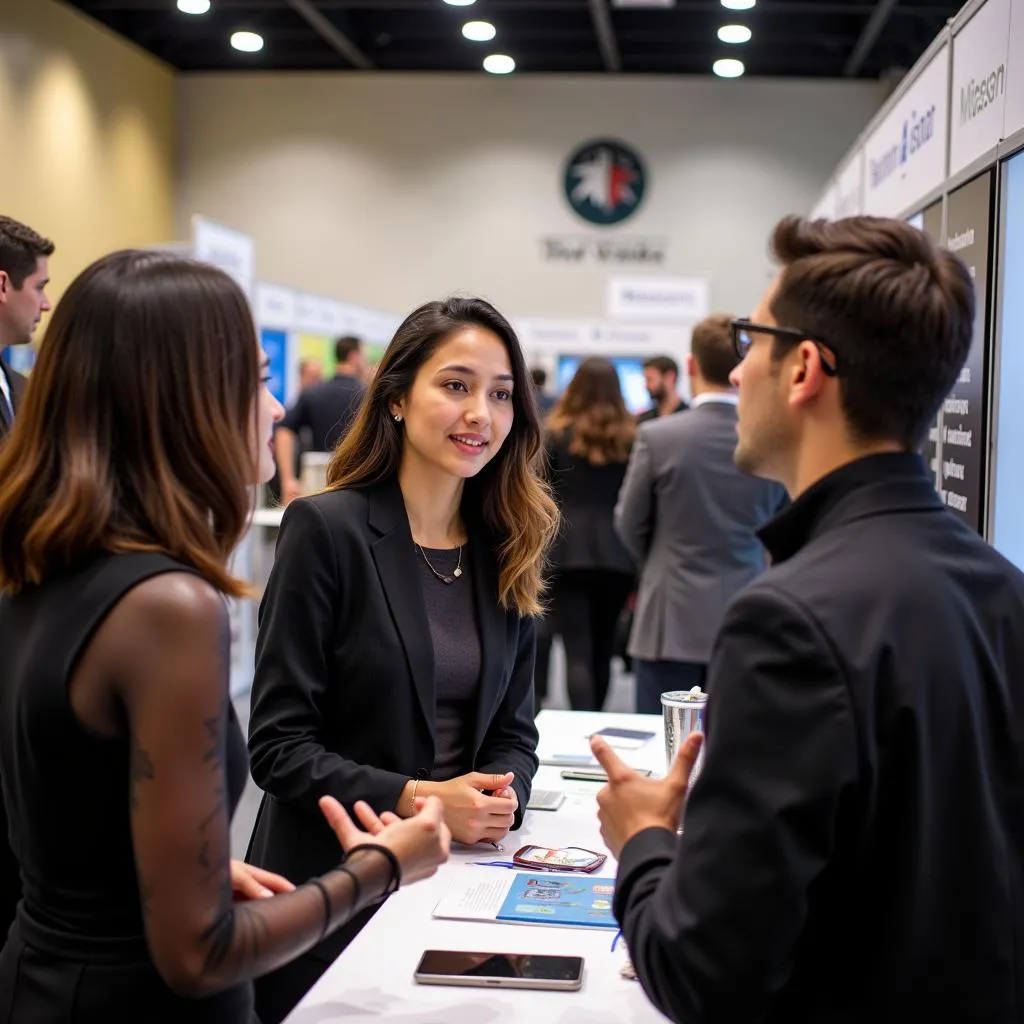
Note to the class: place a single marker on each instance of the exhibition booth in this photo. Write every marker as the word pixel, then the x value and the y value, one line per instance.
pixel 946 152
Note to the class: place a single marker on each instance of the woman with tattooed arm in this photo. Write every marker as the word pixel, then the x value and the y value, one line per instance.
pixel 124 487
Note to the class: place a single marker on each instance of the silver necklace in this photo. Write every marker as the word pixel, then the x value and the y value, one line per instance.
pixel 444 578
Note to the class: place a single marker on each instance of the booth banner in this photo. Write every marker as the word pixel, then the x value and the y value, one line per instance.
pixel 929 220
pixel 980 53
pixel 969 234
pixel 905 156
pixel 658 298
pixel 849 187
pixel 275 345
pixel 1013 120
pixel 275 306
pixel 226 248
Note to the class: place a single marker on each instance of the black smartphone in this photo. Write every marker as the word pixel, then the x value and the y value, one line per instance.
pixel 500 970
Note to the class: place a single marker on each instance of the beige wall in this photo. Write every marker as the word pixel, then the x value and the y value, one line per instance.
pixel 89 135
pixel 386 190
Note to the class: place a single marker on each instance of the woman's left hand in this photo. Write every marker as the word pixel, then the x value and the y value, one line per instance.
pixel 252 883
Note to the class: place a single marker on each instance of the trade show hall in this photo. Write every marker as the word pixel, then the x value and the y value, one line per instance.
pixel 510 511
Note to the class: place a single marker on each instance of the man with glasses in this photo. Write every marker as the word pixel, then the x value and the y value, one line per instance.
pixel 853 847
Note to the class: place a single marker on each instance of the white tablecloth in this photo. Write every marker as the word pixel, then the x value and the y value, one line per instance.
pixel 372 981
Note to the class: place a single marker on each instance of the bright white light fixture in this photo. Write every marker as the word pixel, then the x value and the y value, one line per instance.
pixel 479 31
pixel 460 3
pixel 499 64
pixel 734 34
pixel 738 5
pixel 247 42
pixel 193 6
pixel 728 68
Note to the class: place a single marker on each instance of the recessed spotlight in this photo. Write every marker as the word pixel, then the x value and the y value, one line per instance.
pixel 728 68
pixel 247 42
pixel 460 3
pixel 734 34
pixel 499 64
pixel 738 5
pixel 479 31
pixel 193 6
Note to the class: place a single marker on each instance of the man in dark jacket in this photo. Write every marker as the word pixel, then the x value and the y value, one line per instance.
pixel 854 843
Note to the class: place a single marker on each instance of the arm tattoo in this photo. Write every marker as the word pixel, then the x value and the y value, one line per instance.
pixel 140 768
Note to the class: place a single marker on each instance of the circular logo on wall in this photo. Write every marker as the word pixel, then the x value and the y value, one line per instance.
pixel 604 181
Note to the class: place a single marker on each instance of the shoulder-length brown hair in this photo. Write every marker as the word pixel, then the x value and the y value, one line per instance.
pixel 593 411
pixel 508 493
pixel 137 429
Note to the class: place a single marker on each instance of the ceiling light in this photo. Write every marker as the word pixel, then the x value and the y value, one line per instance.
pixel 460 3
pixel 193 6
pixel 499 64
pixel 738 5
pixel 728 68
pixel 479 31
pixel 734 34
pixel 247 42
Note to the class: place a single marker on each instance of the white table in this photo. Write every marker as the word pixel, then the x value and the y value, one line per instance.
pixel 372 981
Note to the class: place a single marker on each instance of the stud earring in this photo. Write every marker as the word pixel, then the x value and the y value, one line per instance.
pixel 398 417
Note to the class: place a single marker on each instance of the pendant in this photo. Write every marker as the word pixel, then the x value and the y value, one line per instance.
pixel 457 573
pixel 447 579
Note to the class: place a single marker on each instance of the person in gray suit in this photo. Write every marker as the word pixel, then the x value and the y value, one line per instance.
pixel 688 516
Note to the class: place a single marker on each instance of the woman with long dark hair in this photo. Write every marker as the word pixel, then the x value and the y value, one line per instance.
pixel 396 638
pixel 124 487
pixel 590 434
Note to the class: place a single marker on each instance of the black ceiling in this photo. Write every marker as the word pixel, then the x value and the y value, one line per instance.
pixel 818 38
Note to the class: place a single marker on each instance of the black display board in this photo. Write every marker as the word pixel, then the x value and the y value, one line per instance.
pixel 969 234
pixel 932 226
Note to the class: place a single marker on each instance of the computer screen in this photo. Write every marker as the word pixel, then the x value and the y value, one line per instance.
pixel 1007 464
pixel 631 378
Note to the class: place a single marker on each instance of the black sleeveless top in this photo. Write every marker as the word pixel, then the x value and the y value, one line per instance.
pixel 77 950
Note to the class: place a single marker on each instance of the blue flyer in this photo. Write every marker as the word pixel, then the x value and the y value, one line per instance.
pixel 562 899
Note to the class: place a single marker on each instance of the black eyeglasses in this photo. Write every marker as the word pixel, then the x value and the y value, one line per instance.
pixel 741 331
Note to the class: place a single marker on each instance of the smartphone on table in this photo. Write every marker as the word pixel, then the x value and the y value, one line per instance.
pixel 500 970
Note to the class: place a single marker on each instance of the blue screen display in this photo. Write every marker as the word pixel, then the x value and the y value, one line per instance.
pixel 1008 461
pixel 631 378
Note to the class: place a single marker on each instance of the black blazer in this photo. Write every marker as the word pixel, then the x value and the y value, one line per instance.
pixel 10 878
pixel 343 699
pixel 586 496
pixel 17 383
pixel 854 846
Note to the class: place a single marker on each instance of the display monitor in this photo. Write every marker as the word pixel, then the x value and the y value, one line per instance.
pixel 631 378
pixel 1007 499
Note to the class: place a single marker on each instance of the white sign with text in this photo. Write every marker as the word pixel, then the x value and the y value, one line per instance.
pixel 226 248
pixel 849 188
pixel 275 306
pixel 980 57
pixel 683 299
pixel 905 156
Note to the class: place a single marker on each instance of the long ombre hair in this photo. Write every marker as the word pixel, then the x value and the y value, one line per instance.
pixel 594 415
pixel 136 433
pixel 508 493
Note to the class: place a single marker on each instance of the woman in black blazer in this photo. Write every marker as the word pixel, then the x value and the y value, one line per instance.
pixel 590 434
pixel 396 641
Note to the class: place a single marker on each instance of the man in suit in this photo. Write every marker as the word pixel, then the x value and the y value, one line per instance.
pixel 323 411
pixel 688 516
pixel 853 847
pixel 661 376
pixel 24 275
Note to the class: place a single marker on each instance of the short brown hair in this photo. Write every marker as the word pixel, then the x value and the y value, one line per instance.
pixel 345 346
pixel 663 364
pixel 20 249
pixel 594 415
pixel 897 310
pixel 509 495
pixel 712 348
pixel 136 433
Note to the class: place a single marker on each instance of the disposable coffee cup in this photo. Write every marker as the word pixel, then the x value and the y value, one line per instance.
pixel 683 713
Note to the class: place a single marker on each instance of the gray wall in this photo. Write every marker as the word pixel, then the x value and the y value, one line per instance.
pixel 386 190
